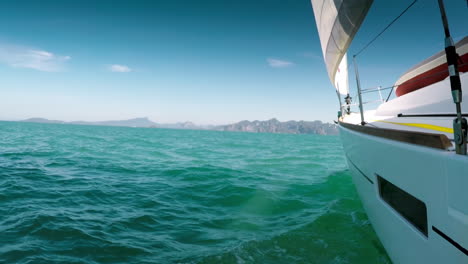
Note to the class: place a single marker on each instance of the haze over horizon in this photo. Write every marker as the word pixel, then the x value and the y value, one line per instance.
pixel 156 121
pixel 208 62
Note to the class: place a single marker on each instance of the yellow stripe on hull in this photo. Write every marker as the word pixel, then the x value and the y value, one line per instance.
pixel 425 126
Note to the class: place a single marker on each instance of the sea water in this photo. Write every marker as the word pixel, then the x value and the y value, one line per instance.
pixel 91 194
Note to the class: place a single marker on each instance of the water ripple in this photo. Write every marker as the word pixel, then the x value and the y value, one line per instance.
pixel 84 194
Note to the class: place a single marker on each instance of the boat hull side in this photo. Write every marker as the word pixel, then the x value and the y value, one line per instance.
pixel 431 176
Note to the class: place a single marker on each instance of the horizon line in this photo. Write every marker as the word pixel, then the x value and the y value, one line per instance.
pixel 175 122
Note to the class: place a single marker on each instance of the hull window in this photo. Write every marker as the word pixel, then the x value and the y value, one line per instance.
pixel 408 206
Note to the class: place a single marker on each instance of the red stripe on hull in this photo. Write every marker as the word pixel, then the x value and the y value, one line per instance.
pixel 429 77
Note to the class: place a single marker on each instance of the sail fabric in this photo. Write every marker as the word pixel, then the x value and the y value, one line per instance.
pixel 337 23
pixel 341 77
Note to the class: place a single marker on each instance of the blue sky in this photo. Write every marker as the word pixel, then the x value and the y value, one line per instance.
pixel 210 62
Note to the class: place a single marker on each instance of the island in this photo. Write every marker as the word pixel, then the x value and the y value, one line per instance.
pixel 268 126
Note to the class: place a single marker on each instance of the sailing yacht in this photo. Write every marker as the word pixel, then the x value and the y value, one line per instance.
pixel 408 156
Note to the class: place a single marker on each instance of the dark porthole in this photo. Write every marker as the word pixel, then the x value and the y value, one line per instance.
pixel 408 206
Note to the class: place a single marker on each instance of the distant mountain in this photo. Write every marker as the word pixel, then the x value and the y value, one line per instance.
pixel 180 125
pixel 289 127
pixel 268 126
pixel 134 122
pixel 42 120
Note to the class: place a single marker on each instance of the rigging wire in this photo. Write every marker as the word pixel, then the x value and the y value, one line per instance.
pixel 410 81
pixel 381 32
pixel 389 25
pixel 390 94
pixel 378 35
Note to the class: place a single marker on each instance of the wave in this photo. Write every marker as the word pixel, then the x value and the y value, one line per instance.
pixel 72 194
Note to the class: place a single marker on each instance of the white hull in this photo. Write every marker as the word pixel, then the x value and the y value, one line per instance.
pixel 402 155
pixel 436 177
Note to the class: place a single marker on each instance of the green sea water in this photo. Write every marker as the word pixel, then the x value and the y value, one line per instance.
pixel 89 194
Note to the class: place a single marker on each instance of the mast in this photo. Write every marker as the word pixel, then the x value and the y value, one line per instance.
pixel 460 125
pixel 358 84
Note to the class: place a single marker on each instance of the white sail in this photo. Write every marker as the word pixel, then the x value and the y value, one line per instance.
pixel 341 77
pixel 337 23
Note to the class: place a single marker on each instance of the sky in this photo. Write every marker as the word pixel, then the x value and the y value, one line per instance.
pixel 205 61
